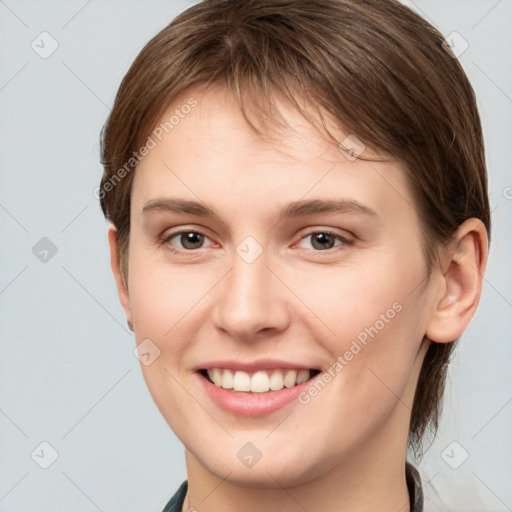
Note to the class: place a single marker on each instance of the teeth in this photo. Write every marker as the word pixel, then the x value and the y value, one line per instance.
pixel 258 382
pixel 216 376
pixel 302 376
pixel 242 381
pixel 276 380
pixel 227 379
pixel 290 378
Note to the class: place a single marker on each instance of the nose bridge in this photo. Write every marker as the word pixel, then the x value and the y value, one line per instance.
pixel 249 300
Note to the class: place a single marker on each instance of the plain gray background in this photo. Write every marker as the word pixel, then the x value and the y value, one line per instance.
pixel 68 374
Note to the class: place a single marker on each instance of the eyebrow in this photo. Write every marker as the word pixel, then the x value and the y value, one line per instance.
pixel 299 208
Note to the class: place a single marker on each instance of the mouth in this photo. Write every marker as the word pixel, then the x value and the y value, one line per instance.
pixel 260 381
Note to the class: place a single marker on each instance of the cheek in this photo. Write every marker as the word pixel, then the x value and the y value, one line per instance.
pixel 377 325
pixel 370 374
pixel 378 298
pixel 163 299
pixel 165 303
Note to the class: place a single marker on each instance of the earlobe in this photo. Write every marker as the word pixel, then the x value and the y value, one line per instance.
pixel 464 263
pixel 121 286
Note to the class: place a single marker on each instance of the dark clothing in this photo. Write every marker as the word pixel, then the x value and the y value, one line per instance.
pixel 413 478
pixel 176 502
pixel 411 474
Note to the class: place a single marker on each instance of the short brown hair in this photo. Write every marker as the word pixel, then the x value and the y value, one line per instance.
pixel 374 65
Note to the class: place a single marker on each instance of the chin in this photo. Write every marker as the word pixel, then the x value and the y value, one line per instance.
pixel 273 471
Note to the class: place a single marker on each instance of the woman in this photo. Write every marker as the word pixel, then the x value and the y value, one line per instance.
pixel 300 224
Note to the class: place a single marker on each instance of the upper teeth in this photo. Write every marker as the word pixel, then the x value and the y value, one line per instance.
pixel 260 381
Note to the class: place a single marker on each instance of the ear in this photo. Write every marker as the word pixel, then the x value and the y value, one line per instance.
pixel 463 266
pixel 122 289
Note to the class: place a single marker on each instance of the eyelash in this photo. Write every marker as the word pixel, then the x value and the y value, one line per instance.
pixel 166 239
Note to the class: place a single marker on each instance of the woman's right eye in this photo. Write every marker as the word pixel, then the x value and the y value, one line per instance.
pixel 189 240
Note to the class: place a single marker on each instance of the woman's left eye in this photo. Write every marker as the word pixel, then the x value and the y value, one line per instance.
pixel 322 240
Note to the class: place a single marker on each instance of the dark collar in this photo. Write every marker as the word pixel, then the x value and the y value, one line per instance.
pixel 414 486
pixel 176 502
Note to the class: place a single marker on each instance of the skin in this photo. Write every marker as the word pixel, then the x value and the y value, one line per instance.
pixel 298 302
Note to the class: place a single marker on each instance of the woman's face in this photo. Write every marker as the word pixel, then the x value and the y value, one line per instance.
pixel 258 266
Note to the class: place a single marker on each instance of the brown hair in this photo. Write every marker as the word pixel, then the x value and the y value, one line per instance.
pixel 373 65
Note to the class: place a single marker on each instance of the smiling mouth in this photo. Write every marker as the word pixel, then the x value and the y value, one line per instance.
pixel 260 381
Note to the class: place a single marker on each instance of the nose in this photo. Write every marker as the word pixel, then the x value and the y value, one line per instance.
pixel 250 301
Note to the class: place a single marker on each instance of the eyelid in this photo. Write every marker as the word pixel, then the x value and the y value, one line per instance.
pixel 328 231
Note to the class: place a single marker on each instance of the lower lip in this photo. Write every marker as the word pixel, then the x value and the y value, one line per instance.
pixel 252 404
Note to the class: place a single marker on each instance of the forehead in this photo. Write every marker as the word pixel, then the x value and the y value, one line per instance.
pixel 218 114
pixel 209 150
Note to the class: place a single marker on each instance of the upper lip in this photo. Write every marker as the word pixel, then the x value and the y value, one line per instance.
pixel 253 366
